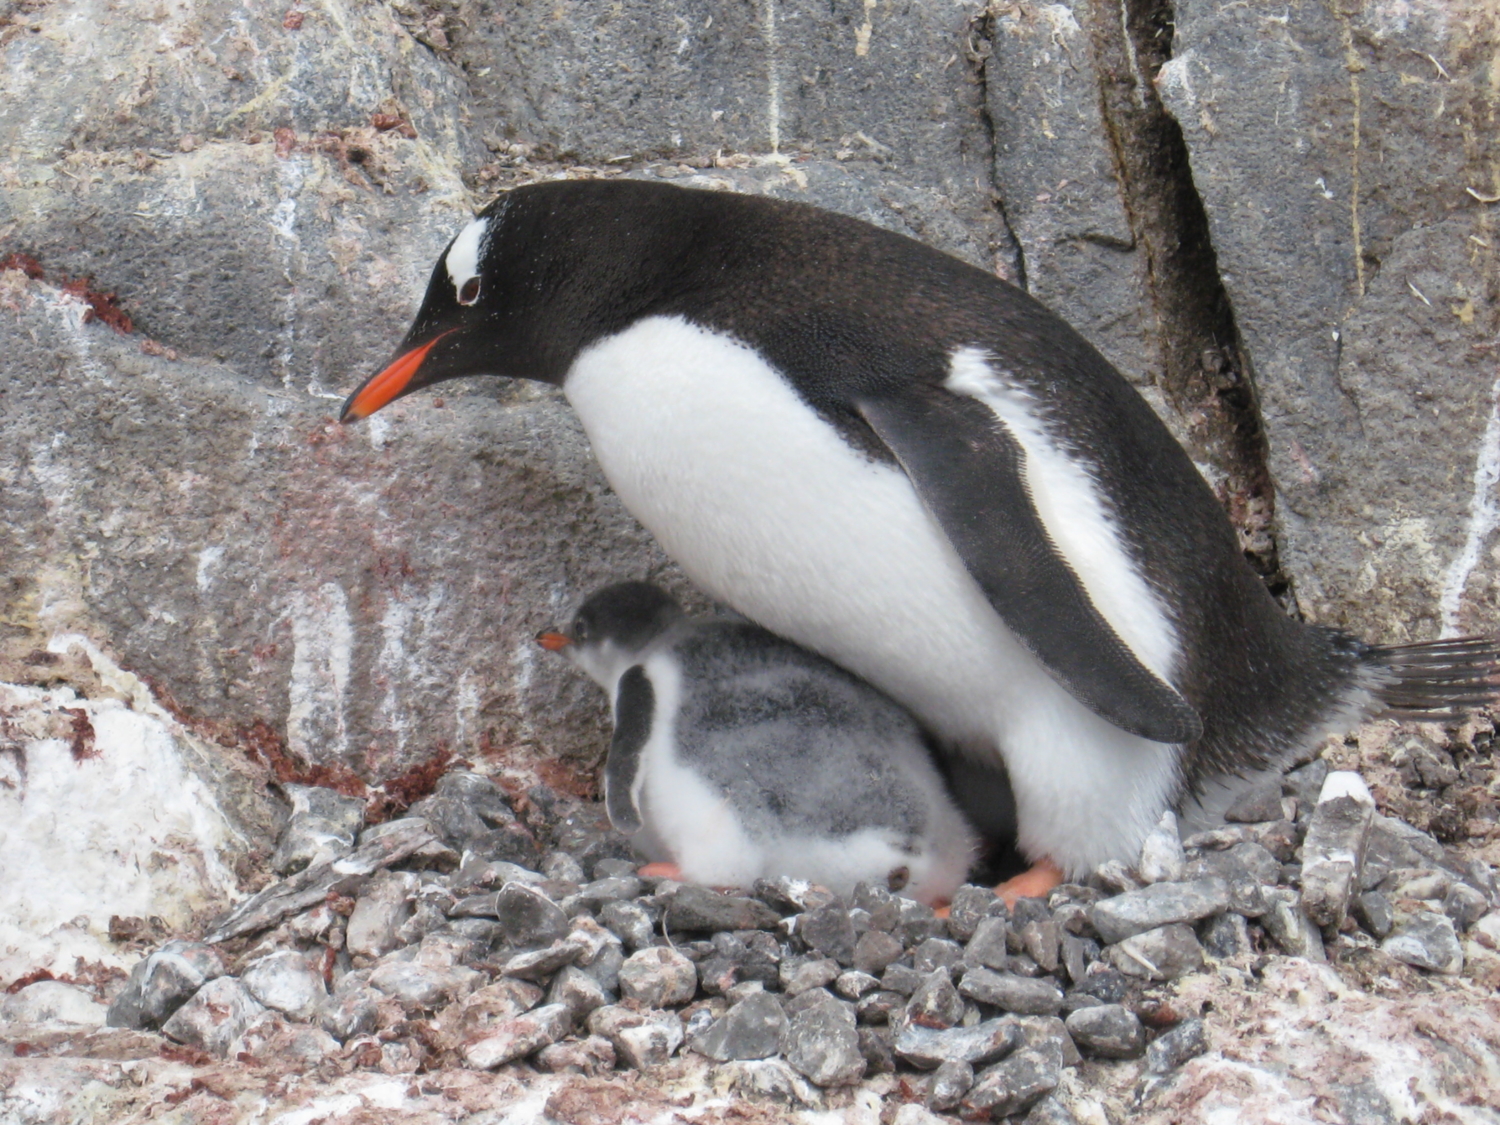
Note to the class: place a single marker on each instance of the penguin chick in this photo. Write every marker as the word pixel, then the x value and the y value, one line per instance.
pixel 738 756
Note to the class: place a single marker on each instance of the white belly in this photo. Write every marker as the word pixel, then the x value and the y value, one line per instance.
pixel 768 509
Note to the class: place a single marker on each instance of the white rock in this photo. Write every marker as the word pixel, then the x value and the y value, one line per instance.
pixel 53 1001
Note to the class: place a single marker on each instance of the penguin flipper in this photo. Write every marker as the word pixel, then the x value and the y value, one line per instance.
pixel 969 471
pixel 635 703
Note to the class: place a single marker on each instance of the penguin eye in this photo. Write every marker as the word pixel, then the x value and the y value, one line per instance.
pixel 580 630
pixel 470 292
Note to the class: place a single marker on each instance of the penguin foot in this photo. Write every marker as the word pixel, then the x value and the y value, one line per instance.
pixel 1034 883
pixel 661 871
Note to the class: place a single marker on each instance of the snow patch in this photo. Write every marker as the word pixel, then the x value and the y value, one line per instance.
pixel 1483 517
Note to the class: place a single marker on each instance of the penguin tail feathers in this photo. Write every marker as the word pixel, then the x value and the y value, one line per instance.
pixel 1436 680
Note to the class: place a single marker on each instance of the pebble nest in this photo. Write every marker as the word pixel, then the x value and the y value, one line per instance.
pixel 482 932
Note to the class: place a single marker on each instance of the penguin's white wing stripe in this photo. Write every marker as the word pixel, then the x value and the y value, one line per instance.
pixel 1067 499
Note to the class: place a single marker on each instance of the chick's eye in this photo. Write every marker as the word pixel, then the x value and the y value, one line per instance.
pixel 580 630
pixel 470 292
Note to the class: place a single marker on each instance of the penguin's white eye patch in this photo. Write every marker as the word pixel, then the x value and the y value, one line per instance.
pixel 464 258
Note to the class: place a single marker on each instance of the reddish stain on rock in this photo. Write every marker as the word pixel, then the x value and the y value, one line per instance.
pixel 82 744
pixel 28 979
pixel 292 21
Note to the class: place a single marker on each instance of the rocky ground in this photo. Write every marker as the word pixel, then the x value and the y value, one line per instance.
pixel 487 952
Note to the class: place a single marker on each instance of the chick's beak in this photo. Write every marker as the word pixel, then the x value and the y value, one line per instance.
pixel 389 384
pixel 553 642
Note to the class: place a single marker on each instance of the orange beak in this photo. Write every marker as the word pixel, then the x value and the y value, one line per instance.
pixel 388 384
pixel 552 642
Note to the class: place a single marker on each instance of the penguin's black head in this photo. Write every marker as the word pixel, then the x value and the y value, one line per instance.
pixel 612 629
pixel 542 271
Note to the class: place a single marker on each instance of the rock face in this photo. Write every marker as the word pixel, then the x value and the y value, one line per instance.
pixel 1293 271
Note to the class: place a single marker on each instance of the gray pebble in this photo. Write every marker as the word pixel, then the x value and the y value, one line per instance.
pixel 875 1048
pixel 564 868
pixel 901 978
pixel 579 991
pixel 950 1082
pixel 854 984
pixel 640 1039
pixel 1290 928
pixel 1046 1033
pixel 692 907
pixel 324 825
pixel 1334 848
pixel 528 917
pixel 755 1028
pixel 1041 942
pixel 419 987
pixel 1164 953
pixel 1227 937
pixel 1050 1111
pixel 1012 993
pixel 935 1003
pixel 611 867
pixel 875 950
pixel 822 1044
pixel 592 1056
pixel 518 1036
pixel 1075 954
pixel 830 931
pixel 1426 940
pixel 1161 857
pixel 539 964
pixel 1373 911
pixel 658 977
pixel 1013 1084
pixel 1464 905
pixel 877 1007
pixel 936 953
pixel 798 974
pixel 1109 1031
pixel 605 967
pixel 1261 803
pixel 634 923
pixel 970 905
pixel 214 1017
pixel 163 982
pixel 1187 1040
pixel 925 1047
pixel 1158 905
pixel 988 945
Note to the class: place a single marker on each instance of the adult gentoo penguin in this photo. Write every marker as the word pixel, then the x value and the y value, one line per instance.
pixel 737 756
pixel 893 458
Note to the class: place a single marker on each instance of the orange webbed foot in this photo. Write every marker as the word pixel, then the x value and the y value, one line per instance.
pixel 1036 883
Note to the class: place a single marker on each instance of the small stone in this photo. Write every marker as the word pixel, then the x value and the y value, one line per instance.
pixel 1047 1033
pixel 1029 910
pixel 423 988
pixel 382 908
pixel 1187 1040
pixel 914 922
pixel 635 925
pixel 913 1114
pixel 1426 940
pixel 1373 911
pixel 983 1043
pixel 564 868
pixel 774 1080
pixel 53 1001
pixel 1050 1111
pixel 1290 928
pixel 1075 955
pixel 471 814
pixel 1161 852
pixel 755 1028
pixel 875 1048
pixel 578 991
pixel 1334 850
pixel 1158 905
pixel 804 1000
pixel 1013 1084
pixel 494 1004
pixel 830 931
pixel 854 984
pixel 936 953
pixel 1109 1031
pixel 539 964
pixel 822 1044
pixel 594 895
pixel 641 1039
pixel 1041 941
pixel 351 1013
pixel 1113 878
pixel 1464 905
pixel 874 951
pixel 935 1002
pixel 798 974
pixel 970 906
pixel 988 946
pixel 658 977
pixel 518 1036
pixel 1261 803
pixel 950 1082
pixel 1104 983
pixel 1486 931
pixel 1227 937
pixel 877 1007
pixel 323 826
pixel 528 917
pixel 692 907
pixel 593 1055
pixel 612 866
pixel 901 978
pixel 605 967
pixel 1164 953
pixel 792 896
pixel 163 982
pixel 288 982
pixel 215 1016
pixel 1012 993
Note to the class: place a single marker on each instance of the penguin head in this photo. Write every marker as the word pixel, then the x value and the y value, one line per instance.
pixel 541 272
pixel 613 629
